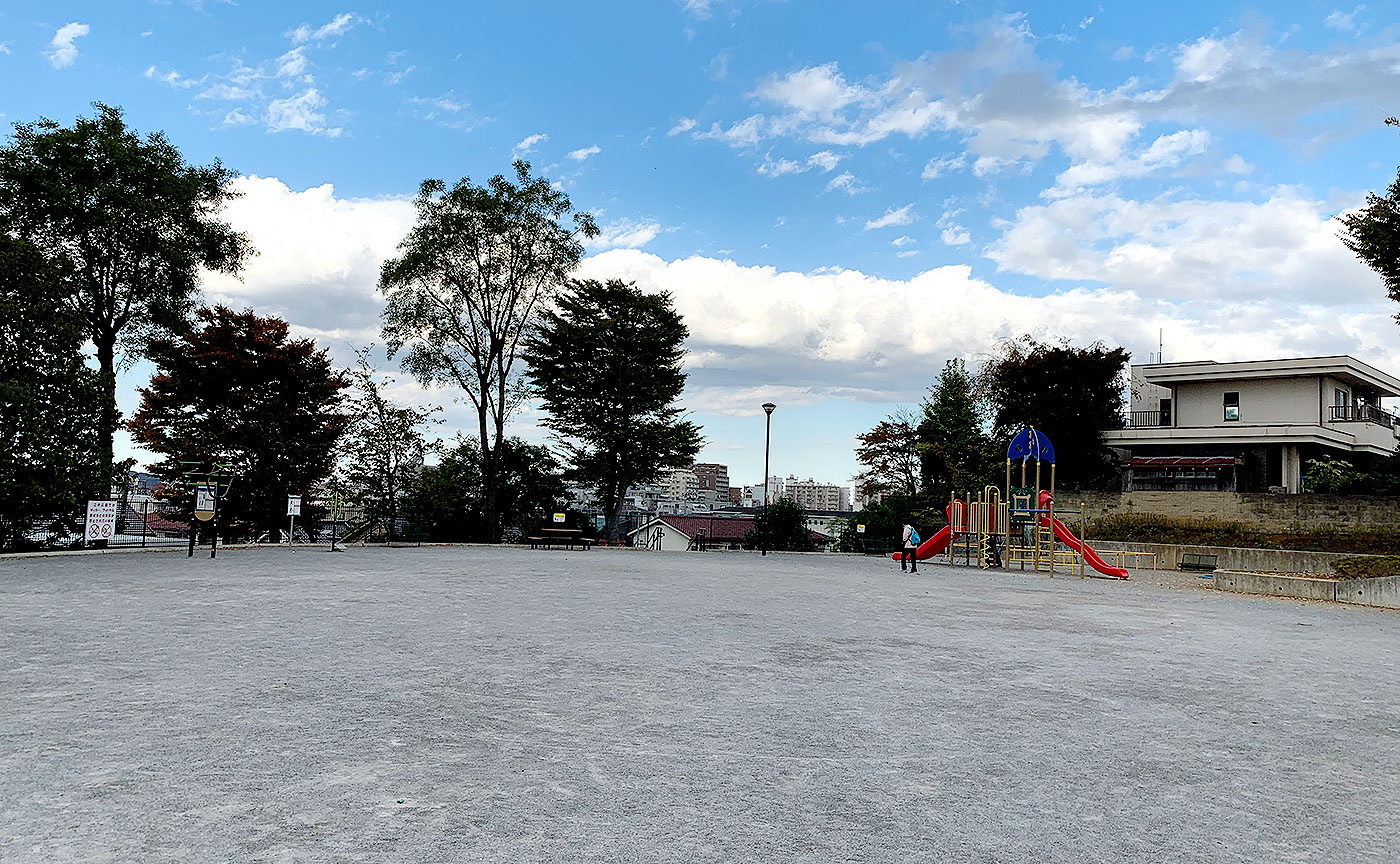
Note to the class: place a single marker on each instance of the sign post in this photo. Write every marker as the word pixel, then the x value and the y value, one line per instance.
pixel 101 521
pixel 293 511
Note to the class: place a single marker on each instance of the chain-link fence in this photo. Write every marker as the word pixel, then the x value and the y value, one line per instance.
pixel 125 523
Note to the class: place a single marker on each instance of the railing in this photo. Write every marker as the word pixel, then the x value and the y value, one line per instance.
pixel 1362 414
pixel 1143 419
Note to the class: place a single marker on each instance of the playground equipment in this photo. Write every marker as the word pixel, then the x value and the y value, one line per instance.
pixel 1022 521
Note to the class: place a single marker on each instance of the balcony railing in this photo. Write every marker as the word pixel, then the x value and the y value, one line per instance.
pixel 1145 419
pixel 1362 414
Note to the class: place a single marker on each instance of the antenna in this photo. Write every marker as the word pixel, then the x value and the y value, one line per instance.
pixel 1159 344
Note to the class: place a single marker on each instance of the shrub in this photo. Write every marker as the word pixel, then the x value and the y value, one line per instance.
pixel 1362 567
pixel 1150 528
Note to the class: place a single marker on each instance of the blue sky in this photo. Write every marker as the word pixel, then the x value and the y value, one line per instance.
pixel 839 196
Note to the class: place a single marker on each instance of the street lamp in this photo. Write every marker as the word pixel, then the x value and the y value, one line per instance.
pixel 767 430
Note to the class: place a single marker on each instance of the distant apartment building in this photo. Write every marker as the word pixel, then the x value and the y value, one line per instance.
pixel 736 495
pixel 713 477
pixel 811 495
pixel 681 485
pixel 753 495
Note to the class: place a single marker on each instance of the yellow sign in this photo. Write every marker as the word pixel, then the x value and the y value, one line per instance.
pixel 558 517
pixel 860 529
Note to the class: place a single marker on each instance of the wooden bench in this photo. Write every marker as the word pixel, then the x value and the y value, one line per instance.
pixel 1198 562
pixel 877 547
pixel 564 538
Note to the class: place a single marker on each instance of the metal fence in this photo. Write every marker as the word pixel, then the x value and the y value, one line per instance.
pixel 138 523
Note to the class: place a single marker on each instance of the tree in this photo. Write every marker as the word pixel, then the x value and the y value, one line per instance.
pixel 780 527
pixel 127 226
pixel 385 446
pixel 469 277
pixel 1073 395
pixel 606 366
pixel 238 390
pixel 450 494
pixel 955 450
pixel 49 399
pixel 890 454
pixel 1373 233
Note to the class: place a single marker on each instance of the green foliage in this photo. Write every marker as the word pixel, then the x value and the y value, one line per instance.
pixel 50 401
pixel 890 454
pixel 126 225
pixel 606 366
pixel 957 454
pixel 1327 474
pixel 468 281
pixel 1368 567
pixel 384 446
pixel 1073 395
pixel 238 390
pixel 1148 528
pixel 780 527
pixel 450 497
pixel 1373 234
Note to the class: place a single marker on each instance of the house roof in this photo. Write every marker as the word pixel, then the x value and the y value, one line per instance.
pixel 727 528
pixel 1340 366
pixel 1183 461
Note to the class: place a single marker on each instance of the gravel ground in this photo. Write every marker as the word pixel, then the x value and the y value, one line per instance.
pixel 489 704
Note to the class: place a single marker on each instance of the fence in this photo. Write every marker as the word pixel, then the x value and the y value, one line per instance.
pixel 138 523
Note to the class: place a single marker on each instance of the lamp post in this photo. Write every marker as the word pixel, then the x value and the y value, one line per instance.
pixel 767 434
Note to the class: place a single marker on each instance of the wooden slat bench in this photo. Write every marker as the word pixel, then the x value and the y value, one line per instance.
pixel 1198 562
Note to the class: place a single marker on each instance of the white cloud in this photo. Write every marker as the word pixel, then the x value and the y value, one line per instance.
pixel 907 253
pixel 941 165
pixel 1166 152
pixel 584 152
pixel 846 182
pixel 685 124
pixel 5 47
pixel 300 113
pixel 528 144
pixel 624 234
pixel 1236 164
pixel 819 91
pixel 64 44
pixel 901 216
pixel 292 63
pixel 698 8
pixel 902 240
pixel 173 78
pixel 955 235
pixel 337 26
pixel 745 133
pixel 1340 20
pixel 823 161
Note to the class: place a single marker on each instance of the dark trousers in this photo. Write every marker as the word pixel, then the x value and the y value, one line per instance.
pixel 908 556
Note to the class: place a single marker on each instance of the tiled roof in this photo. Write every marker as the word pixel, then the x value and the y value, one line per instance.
pixel 718 529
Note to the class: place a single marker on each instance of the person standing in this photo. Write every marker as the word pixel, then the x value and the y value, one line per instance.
pixel 911 544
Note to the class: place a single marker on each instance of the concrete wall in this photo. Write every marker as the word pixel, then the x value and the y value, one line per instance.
pixel 1262 401
pixel 1230 557
pixel 1344 512
pixel 1383 592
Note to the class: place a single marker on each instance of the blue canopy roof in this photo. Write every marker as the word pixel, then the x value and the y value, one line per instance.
pixel 1030 443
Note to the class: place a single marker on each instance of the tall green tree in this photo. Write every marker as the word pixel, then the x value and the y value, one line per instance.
pixel 1071 394
pixel 890 454
pixel 385 446
pixel 780 527
pixel 126 225
pixel 50 401
pixel 1373 233
pixel 469 277
pixel 606 366
pixel 955 450
pixel 239 390
pixel 450 495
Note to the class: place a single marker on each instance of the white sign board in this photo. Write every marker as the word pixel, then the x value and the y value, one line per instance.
pixel 101 520
pixel 293 505
pixel 860 529
pixel 204 499
pixel 559 517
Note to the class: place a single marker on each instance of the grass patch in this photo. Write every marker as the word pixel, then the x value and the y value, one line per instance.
pixel 1149 528
pixel 1361 568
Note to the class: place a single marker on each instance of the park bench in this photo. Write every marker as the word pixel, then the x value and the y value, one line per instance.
pixel 564 538
pixel 1197 562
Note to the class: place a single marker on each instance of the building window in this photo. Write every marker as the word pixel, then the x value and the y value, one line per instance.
pixel 1343 398
pixel 1232 406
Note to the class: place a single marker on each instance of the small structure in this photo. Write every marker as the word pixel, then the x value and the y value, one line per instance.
pixel 682 533
pixel 1249 426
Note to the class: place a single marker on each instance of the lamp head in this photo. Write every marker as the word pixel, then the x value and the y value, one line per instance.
pixel 768 407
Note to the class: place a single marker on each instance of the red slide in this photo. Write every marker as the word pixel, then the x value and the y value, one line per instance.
pixel 1066 536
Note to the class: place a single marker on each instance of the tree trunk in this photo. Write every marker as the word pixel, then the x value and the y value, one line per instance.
pixel 107 429
pixel 488 477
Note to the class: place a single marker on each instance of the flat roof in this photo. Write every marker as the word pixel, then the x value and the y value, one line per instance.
pixel 1339 366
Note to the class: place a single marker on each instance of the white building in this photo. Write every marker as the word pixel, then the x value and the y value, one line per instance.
pixel 1250 426
pixel 811 495
pixel 681 485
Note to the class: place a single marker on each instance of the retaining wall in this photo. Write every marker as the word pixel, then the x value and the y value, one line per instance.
pixel 1231 557
pixel 1383 592
pixel 1265 510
